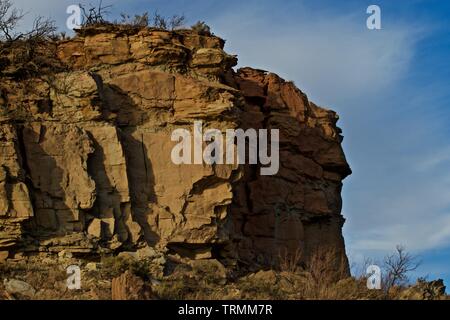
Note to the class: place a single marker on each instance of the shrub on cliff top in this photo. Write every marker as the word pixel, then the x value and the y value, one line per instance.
pixel 139 20
pixel 201 28
pixel 97 16
pixel 172 23
pixel 25 53
pixel 94 15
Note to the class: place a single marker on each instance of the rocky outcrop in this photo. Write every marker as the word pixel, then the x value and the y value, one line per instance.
pixel 86 154
pixel 425 290
pixel 130 287
pixel 296 211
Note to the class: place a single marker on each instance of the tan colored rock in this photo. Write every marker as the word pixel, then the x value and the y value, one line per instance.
pixel 109 171
pixel 85 154
pixel 146 252
pixel 57 157
pixel 128 255
pixel 135 231
pixel 18 287
pixel 20 200
pixel 107 48
pixel 148 85
pixel 130 287
pixel 95 228
pixel 15 203
pixel 91 266
pixel 65 254
pixel 72 52
pixel 212 61
pixel 3 256
pixel 4 201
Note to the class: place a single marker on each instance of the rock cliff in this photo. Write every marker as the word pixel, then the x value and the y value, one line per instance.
pixel 85 161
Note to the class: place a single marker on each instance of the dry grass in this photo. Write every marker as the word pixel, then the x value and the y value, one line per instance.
pixel 289 262
pixel 324 278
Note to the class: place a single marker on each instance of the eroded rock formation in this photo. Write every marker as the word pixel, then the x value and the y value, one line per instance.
pixel 85 154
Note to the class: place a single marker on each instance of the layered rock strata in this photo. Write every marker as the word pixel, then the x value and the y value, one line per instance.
pixel 85 162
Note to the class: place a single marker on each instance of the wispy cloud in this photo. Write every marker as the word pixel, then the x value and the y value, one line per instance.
pixel 333 57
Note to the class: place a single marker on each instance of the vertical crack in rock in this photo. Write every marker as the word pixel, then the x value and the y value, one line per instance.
pixel 15 204
pixel 144 156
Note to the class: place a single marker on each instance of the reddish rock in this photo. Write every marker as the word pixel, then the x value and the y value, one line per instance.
pixel 280 212
pixel 130 287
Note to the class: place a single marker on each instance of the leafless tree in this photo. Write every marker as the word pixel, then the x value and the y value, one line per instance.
pixel 42 29
pixel 9 19
pixel 360 270
pixel 397 267
pixel 25 53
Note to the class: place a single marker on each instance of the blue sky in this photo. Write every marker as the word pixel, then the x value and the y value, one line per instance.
pixel 391 88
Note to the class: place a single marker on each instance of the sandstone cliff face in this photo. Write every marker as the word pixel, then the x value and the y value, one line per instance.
pixel 85 161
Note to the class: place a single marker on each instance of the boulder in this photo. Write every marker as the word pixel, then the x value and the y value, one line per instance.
pixel 18 287
pixel 130 287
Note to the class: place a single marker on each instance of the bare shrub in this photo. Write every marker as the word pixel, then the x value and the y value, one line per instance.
pixel 397 267
pixel 9 19
pixel 201 28
pixel 177 21
pixel 359 271
pixel 395 271
pixel 289 262
pixel 94 15
pixel 63 36
pixel 326 266
pixel 139 20
pixel 114 266
pixel 25 53
pixel 171 23
pixel 97 16
pixel 43 28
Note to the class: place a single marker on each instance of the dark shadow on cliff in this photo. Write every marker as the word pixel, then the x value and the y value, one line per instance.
pixel 127 117
pixel 45 223
pixel 108 202
pixel 275 228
